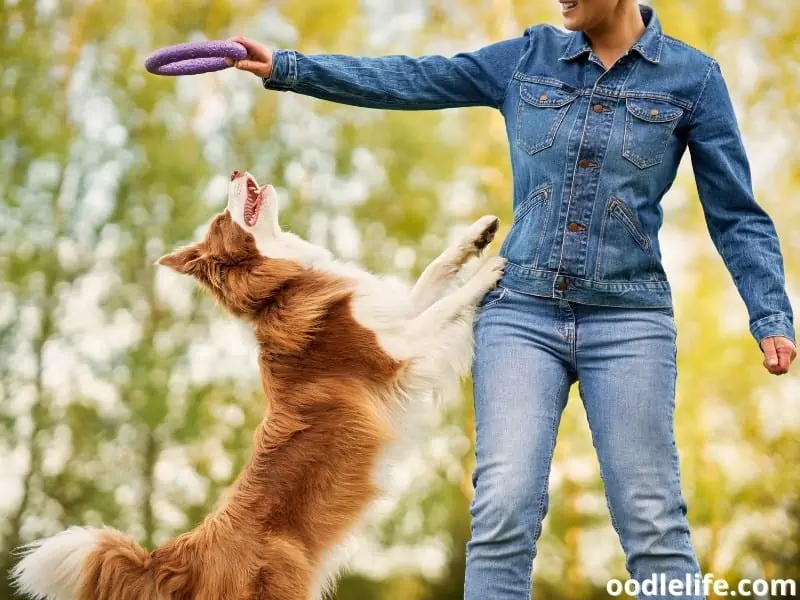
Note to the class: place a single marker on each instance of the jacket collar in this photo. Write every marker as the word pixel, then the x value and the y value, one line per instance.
pixel 648 45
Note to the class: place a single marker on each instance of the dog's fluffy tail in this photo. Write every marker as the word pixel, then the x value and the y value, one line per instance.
pixel 84 563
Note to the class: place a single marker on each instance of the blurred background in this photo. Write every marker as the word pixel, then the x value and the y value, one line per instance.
pixel 128 398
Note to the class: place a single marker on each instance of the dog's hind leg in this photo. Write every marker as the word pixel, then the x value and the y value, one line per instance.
pixel 285 573
pixel 433 283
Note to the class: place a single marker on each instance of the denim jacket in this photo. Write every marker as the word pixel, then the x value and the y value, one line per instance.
pixel 593 151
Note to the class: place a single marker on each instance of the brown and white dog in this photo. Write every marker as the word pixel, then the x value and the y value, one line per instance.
pixel 340 352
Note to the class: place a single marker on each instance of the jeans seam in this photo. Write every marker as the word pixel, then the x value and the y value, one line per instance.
pixel 539 517
pixel 614 522
pixel 573 347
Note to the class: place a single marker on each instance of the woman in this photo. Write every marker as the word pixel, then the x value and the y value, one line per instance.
pixel 597 120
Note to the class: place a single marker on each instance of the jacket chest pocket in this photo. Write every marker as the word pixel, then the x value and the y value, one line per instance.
pixel 648 126
pixel 540 111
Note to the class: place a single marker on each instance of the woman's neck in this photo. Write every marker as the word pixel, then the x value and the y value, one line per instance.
pixel 614 36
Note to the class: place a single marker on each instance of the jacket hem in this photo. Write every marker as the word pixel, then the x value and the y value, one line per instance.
pixel 622 294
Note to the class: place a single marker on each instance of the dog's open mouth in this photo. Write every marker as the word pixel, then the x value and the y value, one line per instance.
pixel 252 205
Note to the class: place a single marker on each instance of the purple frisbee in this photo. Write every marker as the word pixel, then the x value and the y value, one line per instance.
pixel 194 58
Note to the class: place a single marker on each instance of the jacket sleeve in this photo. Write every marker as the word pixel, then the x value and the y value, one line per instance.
pixel 742 232
pixel 478 78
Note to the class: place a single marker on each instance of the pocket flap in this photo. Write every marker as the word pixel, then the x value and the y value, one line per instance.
pixel 540 94
pixel 653 110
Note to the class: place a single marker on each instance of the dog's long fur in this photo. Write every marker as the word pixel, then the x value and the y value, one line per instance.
pixel 339 353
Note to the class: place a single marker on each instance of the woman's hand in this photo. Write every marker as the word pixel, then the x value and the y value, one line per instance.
pixel 779 352
pixel 258 61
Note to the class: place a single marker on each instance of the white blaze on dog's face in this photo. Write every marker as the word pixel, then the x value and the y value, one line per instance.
pixel 254 209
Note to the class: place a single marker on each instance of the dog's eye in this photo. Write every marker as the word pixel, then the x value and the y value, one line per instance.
pixel 221 272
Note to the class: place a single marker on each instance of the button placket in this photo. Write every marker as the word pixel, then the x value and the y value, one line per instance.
pixel 591 150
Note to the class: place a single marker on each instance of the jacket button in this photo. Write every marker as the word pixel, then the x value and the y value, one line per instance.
pixel 654 112
pixel 562 285
pixel 573 227
pixel 543 97
pixel 599 108
pixel 586 164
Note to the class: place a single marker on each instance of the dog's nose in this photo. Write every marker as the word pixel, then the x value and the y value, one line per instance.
pixel 235 174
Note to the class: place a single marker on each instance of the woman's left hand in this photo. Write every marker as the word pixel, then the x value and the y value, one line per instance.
pixel 779 352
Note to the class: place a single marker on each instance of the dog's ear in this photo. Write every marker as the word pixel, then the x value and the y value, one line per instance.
pixel 186 260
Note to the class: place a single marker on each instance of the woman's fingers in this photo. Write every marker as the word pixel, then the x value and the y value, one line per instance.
pixel 252 66
pixel 254 49
pixel 258 61
pixel 784 358
pixel 770 353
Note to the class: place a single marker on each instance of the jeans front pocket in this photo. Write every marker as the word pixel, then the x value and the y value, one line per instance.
pixel 492 297
pixel 648 127
pixel 541 109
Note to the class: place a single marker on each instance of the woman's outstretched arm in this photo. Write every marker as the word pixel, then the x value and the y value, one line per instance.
pixel 478 78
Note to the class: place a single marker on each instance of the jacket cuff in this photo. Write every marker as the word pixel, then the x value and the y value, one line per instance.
pixel 778 324
pixel 284 71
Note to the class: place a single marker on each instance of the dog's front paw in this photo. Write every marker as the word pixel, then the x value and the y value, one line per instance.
pixel 480 234
pixel 491 272
pixel 488 226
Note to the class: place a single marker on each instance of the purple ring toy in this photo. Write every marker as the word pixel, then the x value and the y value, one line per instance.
pixel 194 58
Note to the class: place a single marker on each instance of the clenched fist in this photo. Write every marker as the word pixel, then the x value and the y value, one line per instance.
pixel 258 61
pixel 779 352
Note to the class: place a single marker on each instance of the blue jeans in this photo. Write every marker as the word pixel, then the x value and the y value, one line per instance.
pixel 529 351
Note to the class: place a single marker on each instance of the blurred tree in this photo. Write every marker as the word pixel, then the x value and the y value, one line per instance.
pixel 96 174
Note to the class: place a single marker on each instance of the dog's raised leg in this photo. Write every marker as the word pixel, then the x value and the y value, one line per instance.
pixel 440 338
pixel 433 282
pixel 444 310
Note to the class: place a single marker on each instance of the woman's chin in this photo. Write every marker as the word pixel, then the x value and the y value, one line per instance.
pixel 574 18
